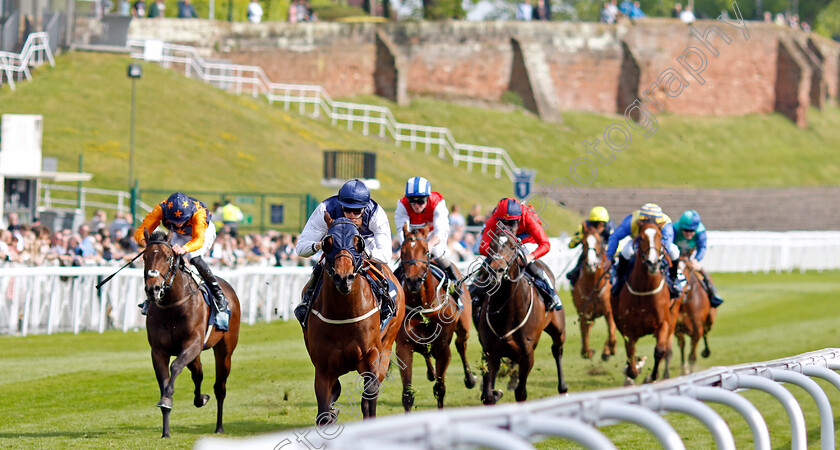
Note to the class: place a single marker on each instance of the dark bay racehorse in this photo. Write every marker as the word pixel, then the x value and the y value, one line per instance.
pixel 696 317
pixel 343 334
pixel 177 326
pixel 644 305
pixel 591 293
pixel 513 317
pixel 431 320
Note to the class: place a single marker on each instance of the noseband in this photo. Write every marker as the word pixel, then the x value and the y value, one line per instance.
pixel 410 262
pixel 519 254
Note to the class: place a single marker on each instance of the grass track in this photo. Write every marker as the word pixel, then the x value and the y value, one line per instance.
pixel 95 391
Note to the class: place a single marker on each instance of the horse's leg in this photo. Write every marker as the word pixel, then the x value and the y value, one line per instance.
pixel 187 355
pixel 706 351
pixel 660 352
pixel 558 338
pixel 526 363
pixel 197 377
pixel 222 354
pixel 696 335
pixel 630 371
pixel 371 391
pixel 462 334
pixel 160 362
pixel 609 348
pixel 323 394
pixel 489 394
pixel 585 325
pixel 430 367
pixel 443 355
pixel 405 353
pixel 681 342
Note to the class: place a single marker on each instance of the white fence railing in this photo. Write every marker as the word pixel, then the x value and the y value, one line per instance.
pixel 36 51
pixel 314 100
pixel 50 196
pixel 576 417
pixel 37 300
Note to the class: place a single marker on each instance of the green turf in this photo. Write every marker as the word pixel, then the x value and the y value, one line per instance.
pixel 96 391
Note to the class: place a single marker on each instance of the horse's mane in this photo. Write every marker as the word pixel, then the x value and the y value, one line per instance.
pixel 157 237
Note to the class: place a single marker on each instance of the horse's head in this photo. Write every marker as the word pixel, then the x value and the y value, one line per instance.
pixel 159 264
pixel 414 257
pixel 593 248
pixel 505 253
pixel 343 249
pixel 649 245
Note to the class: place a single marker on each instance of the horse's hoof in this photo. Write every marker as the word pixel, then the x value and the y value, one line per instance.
pixel 640 362
pixel 649 379
pixel 497 395
pixel 605 356
pixel 685 371
pixel 165 436
pixel 430 374
pixel 469 380
pixel 165 403
pixel 628 381
pixel 220 430
pixel 513 383
pixel 562 389
pixel 201 400
pixel 706 353
pixel 585 354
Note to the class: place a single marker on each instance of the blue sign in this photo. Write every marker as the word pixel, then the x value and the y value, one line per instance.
pixel 277 213
pixel 523 183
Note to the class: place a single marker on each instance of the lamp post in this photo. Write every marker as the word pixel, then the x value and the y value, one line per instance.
pixel 135 71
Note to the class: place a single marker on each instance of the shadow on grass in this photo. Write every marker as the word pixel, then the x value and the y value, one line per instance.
pixel 48 434
pixel 233 428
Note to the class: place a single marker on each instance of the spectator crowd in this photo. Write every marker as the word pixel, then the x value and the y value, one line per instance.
pixel 100 241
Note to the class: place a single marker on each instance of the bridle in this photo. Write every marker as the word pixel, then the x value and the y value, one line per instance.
pixel 410 262
pixel 172 260
pixel 329 268
pixel 519 255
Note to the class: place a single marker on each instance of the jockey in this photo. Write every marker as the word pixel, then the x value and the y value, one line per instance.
pixel 353 202
pixel 419 208
pixel 630 227
pixel 598 218
pixel 194 234
pixel 690 238
pixel 524 222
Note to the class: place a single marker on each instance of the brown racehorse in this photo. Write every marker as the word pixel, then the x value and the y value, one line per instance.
pixel 177 326
pixel 431 320
pixel 343 327
pixel 513 317
pixel 696 317
pixel 644 305
pixel 591 293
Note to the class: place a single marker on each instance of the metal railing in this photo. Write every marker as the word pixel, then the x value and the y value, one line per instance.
pixel 36 51
pixel 61 196
pixel 577 417
pixel 314 100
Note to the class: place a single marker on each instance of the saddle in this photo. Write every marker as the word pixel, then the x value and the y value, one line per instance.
pixel 382 286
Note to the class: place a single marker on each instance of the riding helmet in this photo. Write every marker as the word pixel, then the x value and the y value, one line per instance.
pixel 418 187
pixel 690 220
pixel 599 214
pixel 353 195
pixel 509 209
pixel 178 208
pixel 651 210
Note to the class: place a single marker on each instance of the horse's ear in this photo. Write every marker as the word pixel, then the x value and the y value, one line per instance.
pixel 146 235
pixel 405 229
pixel 584 226
pixel 426 230
pixel 328 219
pixel 359 243
pixel 326 244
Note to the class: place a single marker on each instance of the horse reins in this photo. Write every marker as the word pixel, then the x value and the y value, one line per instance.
pixel 118 270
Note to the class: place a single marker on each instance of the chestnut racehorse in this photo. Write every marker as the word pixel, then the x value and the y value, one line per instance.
pixel 696 317
pixel 644 305
pixel 591 293
pixel 343 331
pixel 177 326
pixel 431 320
pixel 513 316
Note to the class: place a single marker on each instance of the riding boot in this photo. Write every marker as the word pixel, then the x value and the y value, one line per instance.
pixel 670 274
pixel 302 309
pixel 574 273
pixel 714 298
pixel 546 285
pixel 621 269
pixel 221 302
pixel 387 307
pixel 144 307
pixel 454 285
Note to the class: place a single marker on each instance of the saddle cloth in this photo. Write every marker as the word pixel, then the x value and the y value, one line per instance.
pixel 208 299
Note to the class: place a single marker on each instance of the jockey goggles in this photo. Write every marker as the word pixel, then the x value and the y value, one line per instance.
pixel 356 211
pixel 509 223
pixel 418 200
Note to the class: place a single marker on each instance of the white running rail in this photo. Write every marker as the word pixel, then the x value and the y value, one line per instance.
pixel 62 196
pixel 576 417
pixel 36 51
pixel 314 100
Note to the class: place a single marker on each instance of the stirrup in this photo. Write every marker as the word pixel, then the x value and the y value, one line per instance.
pixel 222 320
pixel 144 307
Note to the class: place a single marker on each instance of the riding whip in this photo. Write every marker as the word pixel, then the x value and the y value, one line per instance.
pixel 118 271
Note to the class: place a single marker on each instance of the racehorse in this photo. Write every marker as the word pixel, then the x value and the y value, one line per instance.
pixel 431 320
pixel 696 317
pixel 644 305
pixel 177 325
pixel 343 331
pixel 591 293
pixel 513 317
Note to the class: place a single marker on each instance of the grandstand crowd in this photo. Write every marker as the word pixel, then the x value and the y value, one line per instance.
pixel 101 241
